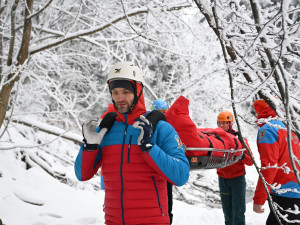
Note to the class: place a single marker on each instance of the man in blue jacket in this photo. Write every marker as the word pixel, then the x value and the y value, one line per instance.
pixel 137 159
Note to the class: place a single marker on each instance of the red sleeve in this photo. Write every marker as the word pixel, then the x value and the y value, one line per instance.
pixel 269 154
pixel 87 164
pixel 247 160
pixel 90 165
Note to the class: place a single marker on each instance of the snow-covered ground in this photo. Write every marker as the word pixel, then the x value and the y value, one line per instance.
pixel 33 197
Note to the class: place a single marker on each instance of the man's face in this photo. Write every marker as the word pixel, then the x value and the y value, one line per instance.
pixel 224 125
pixel 123 99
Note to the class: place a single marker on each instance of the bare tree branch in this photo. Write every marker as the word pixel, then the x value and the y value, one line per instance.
pixel 86 32
pixel 40 11
pixel 13 33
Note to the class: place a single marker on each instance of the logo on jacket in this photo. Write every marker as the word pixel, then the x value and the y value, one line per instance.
pixel 261 135
pixel 179 143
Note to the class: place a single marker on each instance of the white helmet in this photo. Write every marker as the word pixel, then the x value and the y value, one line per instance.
pixel 126 71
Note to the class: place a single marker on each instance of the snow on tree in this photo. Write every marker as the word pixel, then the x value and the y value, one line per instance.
pixel 55 55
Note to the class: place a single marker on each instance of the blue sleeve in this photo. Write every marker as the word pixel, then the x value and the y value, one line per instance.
pixel 268 134
pixel 168 154
pixel 78 163
pixel 87 163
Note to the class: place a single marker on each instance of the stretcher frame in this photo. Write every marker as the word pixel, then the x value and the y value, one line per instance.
pixel 225 157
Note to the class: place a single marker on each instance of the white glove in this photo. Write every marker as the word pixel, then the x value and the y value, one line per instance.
pixel 89 132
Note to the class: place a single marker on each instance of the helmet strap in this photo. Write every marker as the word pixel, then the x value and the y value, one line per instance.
pixel 229 126
pixel 136 98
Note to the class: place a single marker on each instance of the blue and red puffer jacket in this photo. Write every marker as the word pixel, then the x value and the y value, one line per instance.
pixel 135 182
pixel 273 149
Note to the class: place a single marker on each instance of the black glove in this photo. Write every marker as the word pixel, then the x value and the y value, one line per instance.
pixel 155 116
pixel 144 140
pixel 108 120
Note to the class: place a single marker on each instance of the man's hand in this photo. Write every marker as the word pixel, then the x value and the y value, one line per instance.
pixel 91 137
pixel 144 140
pixel 258 208
pixel 108 120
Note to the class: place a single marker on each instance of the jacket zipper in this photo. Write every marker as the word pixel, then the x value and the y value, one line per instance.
pixel 121 169
pixel 158 197
pixel 129 147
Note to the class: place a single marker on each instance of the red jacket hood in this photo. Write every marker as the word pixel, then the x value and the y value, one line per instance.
pixel 266 113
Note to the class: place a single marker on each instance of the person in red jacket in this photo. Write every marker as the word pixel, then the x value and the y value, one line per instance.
pixel 137 156
pixel 232 182
pixel 276 167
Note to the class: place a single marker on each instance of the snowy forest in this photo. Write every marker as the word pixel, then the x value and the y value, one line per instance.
pixel 54 59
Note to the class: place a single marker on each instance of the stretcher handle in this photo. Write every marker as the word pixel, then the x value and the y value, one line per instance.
pixel 214 149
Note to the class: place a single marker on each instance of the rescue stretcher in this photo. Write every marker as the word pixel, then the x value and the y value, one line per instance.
pixel 211 158
pixel 205 148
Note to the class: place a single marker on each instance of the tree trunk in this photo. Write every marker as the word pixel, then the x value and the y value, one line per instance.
pixel 4 98
pixel 22 57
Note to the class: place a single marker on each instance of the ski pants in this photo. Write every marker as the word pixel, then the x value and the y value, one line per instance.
pixel 233 199
pixel 284 204
pixel 170 201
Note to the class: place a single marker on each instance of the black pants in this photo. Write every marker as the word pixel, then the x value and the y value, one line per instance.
pixel 170 201
pixel 284 204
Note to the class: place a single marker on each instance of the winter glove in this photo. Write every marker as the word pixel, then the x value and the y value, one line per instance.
pixel 108 120
pixel 144 140
pixel 155 116
pixel 90 137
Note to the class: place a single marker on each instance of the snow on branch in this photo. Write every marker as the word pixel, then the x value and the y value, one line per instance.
pixel 45 128
pixel 86 32
pixel 285 168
